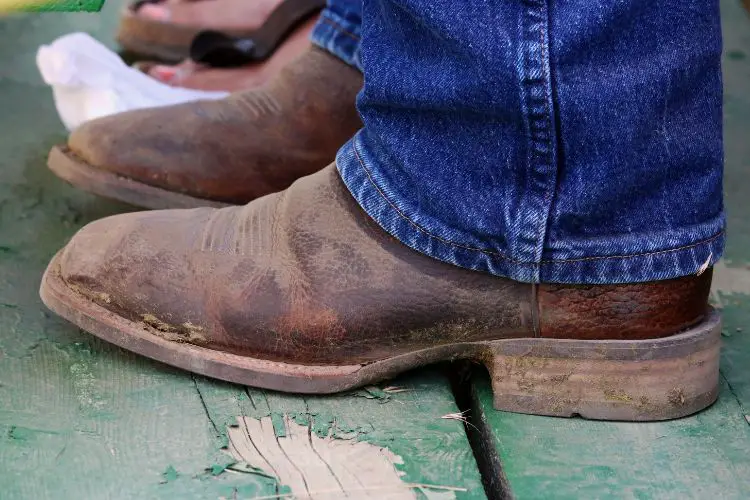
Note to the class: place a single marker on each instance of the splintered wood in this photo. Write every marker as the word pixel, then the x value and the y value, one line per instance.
pixel 319 467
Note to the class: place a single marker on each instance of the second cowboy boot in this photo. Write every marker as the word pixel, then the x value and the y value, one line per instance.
pixel 216 153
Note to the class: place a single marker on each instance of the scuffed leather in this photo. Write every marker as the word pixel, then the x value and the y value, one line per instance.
pixel 635 311
pixel 236 149
pixel 305 276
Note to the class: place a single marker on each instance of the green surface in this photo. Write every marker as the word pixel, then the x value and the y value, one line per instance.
pixel 80 419
pixel 701 457
pixel 51 5
pixel 705 456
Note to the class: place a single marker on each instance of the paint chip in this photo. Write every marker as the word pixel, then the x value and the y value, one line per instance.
pixel 391 389
pixel 460 416
pixel 374 392
pixel 169 475
pixel 246 468
pixel 218 469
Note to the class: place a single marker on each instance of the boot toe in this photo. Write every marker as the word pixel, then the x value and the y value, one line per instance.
pixel 106 143
pixel 153 146
pixel 134 264
pixel 87 263
pixel 153 268
pixel 178 148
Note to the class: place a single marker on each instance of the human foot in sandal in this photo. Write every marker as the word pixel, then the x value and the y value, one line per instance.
pixel 301 291
pixel 165 30
pixel 214 153
pixel 189 74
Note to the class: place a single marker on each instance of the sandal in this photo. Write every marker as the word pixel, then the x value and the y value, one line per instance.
pixel 173 42
pixel 224 66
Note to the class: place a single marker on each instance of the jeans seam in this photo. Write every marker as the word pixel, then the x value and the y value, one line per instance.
pixel 491 252
pixel 645 254
pixel 543 40
pixel 340 28
pixel 538 110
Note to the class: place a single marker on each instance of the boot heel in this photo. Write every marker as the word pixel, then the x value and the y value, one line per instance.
pixel 640 380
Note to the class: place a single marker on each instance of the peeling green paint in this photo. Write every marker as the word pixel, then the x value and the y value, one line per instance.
pixel 217 469
pixel 18 433
pixel 372 391
pixel 278 424
pixel 249 469
pixel 170 474
pixel 434 450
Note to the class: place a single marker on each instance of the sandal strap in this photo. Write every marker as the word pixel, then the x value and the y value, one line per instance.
pixel 219 50
pixel 140 3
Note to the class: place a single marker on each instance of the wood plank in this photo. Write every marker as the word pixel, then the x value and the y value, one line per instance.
pixel 704 456
pixel 82 419
pixel 733 287
pixel 408 422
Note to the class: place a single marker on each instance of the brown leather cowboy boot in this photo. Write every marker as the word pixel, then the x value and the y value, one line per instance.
pixel 215 153
pixel 301 291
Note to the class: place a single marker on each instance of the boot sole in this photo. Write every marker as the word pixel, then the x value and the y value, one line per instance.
pixel 76 171
pixel 640 380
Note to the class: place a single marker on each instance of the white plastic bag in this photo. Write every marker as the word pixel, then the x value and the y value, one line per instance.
pixel 90 81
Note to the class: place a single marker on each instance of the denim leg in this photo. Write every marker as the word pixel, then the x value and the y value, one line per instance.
pixel 339 29
pixel 570 142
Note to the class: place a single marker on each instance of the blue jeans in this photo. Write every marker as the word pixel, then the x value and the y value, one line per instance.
pixel 569 142
pixel 339 30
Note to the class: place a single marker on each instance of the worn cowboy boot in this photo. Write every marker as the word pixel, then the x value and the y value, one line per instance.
pixel 215 153
pixel 301 291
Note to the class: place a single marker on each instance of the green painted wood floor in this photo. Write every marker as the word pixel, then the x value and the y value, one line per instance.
pixel 80 419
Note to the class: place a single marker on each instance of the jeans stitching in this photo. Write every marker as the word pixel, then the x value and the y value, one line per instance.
pixel 340 28
pixel 646 254
pixel 491 252
pixel 543 40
